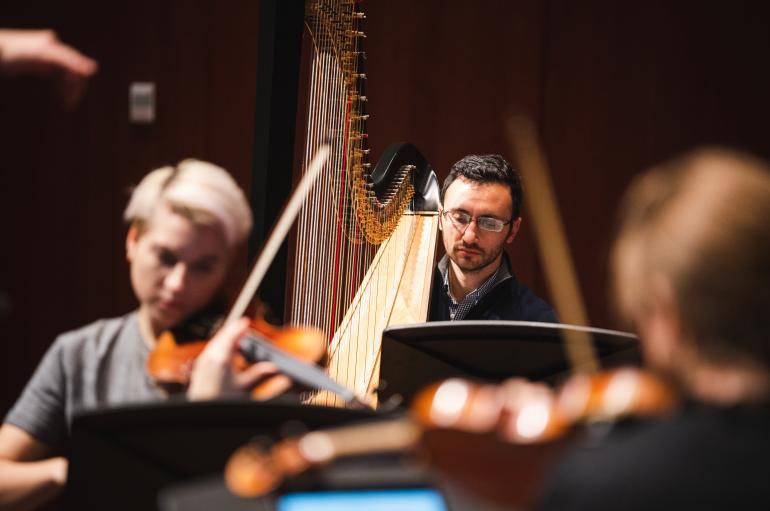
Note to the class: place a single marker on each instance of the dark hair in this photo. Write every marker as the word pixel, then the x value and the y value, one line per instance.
pixel 487 168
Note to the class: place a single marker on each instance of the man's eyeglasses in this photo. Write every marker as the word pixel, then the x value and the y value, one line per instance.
pixel 461 220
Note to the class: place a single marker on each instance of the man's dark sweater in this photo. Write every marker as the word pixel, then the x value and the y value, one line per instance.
pixel 508 300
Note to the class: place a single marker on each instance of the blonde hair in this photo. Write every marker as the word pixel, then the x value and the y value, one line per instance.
pixel 702 222
pixel 199 190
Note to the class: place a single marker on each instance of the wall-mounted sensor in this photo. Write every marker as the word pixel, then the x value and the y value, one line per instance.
pixel 141 103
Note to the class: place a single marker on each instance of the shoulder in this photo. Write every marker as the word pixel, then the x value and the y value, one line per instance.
pixel 67 377
pixel 597 473
pixel 531 304
pixel 95 336
pixel 696 459
pixel 438 307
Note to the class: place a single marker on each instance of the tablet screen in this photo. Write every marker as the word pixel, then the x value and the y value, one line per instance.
pixel 402 499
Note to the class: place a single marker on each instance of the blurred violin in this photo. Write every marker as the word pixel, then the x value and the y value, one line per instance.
pixel 477 434
pixel 294 351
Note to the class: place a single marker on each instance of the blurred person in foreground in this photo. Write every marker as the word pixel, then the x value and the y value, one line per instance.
pixel 691 267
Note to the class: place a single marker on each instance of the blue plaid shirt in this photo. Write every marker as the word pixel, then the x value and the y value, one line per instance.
pixel 458 311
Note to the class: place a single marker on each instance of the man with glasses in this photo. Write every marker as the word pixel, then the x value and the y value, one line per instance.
pixel 479 215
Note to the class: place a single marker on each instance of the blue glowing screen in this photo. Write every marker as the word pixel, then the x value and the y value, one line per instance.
pixel 409 499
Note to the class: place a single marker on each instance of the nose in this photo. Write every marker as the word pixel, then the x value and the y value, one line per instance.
pixel 471 232
pixel 176 279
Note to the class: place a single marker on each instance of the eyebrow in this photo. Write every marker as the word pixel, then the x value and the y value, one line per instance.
pixel 205 259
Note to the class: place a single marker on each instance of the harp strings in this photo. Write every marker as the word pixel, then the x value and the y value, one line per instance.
pixel 334 250
pixel 331 258
pixel 355 351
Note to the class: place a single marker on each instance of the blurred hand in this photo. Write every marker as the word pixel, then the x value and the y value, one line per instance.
pixel 41 53
pixel 213 375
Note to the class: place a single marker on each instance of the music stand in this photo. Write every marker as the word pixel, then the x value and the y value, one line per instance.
pixel 121 457
pixel 414 356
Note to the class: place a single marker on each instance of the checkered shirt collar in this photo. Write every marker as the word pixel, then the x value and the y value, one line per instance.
pixel 458 311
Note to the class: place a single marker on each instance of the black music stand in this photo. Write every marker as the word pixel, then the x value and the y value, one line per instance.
pixel 121 457
pixel 414 356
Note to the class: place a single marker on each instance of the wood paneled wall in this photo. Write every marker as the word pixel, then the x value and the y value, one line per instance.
pixel 614 87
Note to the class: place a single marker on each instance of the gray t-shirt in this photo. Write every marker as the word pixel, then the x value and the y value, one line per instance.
pixel 96 366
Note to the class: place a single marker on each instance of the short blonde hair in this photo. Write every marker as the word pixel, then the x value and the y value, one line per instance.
pixel 701 223
pixel 201 191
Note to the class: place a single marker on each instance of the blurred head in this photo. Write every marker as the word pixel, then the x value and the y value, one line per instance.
pixel 691 261
pixel 185 223
pixel 481 195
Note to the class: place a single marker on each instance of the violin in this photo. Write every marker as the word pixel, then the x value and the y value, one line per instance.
pixel 293 350
pixel 477 434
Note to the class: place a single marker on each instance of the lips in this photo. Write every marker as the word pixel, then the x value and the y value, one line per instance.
pixel 467 251
pixel 168 305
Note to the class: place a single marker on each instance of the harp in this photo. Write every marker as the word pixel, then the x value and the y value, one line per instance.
pixel 361 257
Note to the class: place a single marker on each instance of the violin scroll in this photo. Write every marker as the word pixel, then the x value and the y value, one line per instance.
pixel 253 471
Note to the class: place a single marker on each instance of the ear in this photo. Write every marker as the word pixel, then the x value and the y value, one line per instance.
pixel 660 327
pixel 131 239
pixel 515 226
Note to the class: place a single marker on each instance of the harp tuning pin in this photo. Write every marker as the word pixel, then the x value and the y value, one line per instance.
pixel 358 33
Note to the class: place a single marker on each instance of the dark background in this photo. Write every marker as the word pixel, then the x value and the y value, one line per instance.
pixel 613 86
